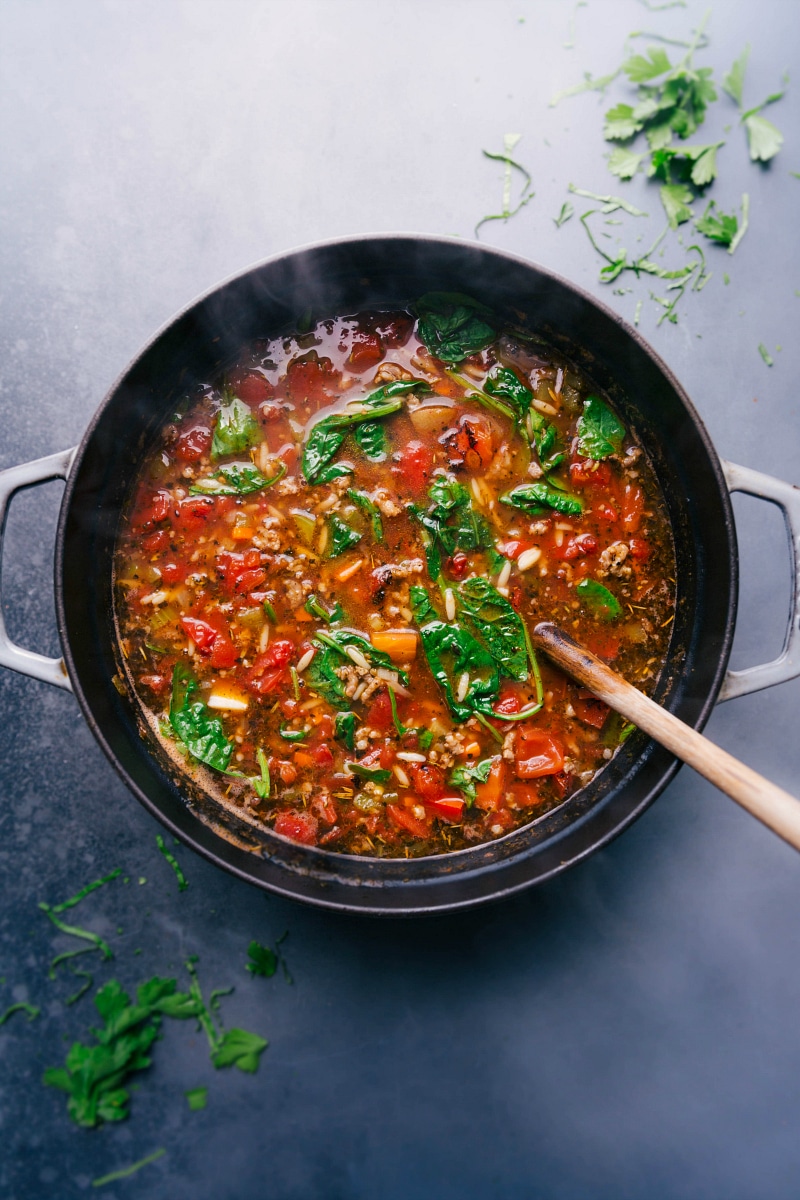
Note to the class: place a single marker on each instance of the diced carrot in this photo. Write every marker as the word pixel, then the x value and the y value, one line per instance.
pixel 303 759
pixel 242 533
pixel 399 644
pixel 300 614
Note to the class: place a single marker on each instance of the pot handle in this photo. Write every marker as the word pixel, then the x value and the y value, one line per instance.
pixel 38 666
pixel 787 664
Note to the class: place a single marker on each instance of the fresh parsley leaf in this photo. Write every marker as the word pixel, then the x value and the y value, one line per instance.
pixel 541 495
pixel 621 123
pixel 763 139
pixel 343 538
pixel 624 163
pixel 452 325
pixel 598 599
pixel 491 618
pixel 641 70
pixel 718 227
pixel 733 82
pixel 600 432
pixel 262 960
pixel 237 479
pixel 235 430
pixel 197 1098
pixel 467 778
pixel 564 215
pixel 676 199
pixel 238 1048
pixel 202 735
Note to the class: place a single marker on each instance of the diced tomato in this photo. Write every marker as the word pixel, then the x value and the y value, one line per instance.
pixel 415 465
pixel 299 826
pixel 379 756
pixel 449 807
pixel 271 668
pixel 501 817
pixel 537 753
pixel 640 548
pixel 252 387
pixel 160 506
pixel 406 820
pixel 223 653
pixel 241 572
pixel 279 654
pixel 379 713
pixel 590 710
pixel 193 443
pixel 193 513
pixel 201 633
pixel 602 643
pixel 524 795
pixel 631 505
pixel 426 779
pixel 156 683
pixel 322 755
pixel 288 455
pixel 605 512
pixel 366 351
pixel 249 580
pixel 323 807
pixel 154 542
pixel 508 703
pixel 515 598
pixel 577 547
pixel 513 548
pixel 458 565
pixel 587 472
pixel 311 378
pixel 286 771
pixel 470 444
pixel 173 572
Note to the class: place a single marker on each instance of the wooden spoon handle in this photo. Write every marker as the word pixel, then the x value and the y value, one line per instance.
pixel 770 804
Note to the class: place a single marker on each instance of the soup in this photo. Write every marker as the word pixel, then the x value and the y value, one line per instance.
pixel 331 557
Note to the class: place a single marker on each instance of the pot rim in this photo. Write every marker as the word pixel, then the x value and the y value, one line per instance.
pixel 361 892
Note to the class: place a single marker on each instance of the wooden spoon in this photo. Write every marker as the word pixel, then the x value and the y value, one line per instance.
pixel 770 804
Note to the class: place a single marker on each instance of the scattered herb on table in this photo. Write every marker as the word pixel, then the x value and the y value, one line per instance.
pixel 765 354
pixel 21 1006
pixel 173 862
pixel 510 140
pixel 197 1098
pixel 126 1172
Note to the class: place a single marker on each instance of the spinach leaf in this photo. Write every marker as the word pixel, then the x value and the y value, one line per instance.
pixel 334 471
pixel 340 639
pixel 451 325
pixel 373 512
pixel 236 479
pixel 398 387
pixel 376 774
pixel 344 729
pixel 598 599
pixel 323 443
pixel 600 433
pixel 452 653
pixel 539 496
pixel 450 523
pixel 371 439
pixel 321 677
pixel 490 616
pixel 315 608
pixel 202 735
pixel 236 429
pixel 505 383
pixel 343 538
pixel 292 735
pixel 326 437
pixel 467 777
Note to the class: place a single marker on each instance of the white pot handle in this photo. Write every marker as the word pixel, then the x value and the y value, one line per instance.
pixel 38 666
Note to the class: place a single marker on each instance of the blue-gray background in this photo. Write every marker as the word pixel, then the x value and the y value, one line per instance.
pixel 628 1030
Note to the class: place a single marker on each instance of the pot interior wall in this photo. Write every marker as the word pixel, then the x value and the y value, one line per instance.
pixel 345 277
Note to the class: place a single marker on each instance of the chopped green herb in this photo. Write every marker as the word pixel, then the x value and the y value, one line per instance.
pixel 526 195
pixel 83 989
pixel 262 960
pixel 173 862
pixel 84 934
pixel 197 1098
pixel 86 891
pixel 676 199
pixel 564 215
pixel 344 729
pixel 598 599
pixel 261 785
pixel 372 511
pixel 270 611
pixel 238 1048
pixel 468 777
pixel 624 163
pixel 21 1006
pixel 425 738
pixel 315 608
pixel 765 354
pixel 763 139
pixel 126 1172
pixel 376 774
pixel 610 203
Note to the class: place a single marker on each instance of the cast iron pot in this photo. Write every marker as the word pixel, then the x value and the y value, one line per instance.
pixel 343 277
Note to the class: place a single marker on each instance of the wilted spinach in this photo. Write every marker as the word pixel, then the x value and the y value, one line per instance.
pixel 600 432
pixel 452 327
pixel 542 495
pixel 235 430
pixel 202 735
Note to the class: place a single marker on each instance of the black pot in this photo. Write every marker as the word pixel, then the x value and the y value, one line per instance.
pixel 348 276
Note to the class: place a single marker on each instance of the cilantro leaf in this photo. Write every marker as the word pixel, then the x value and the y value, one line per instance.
pixel 718 228
pixel 263 960
pixel 238 1048
pixel 733 82
pixel 676 199
pixel 564 215
pixel 600 432
pixel 196 1098
pixel 621 123
pixel 641 70
pixel 624 163
pixel 235 430
pixel 467 777
pixel 763 139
